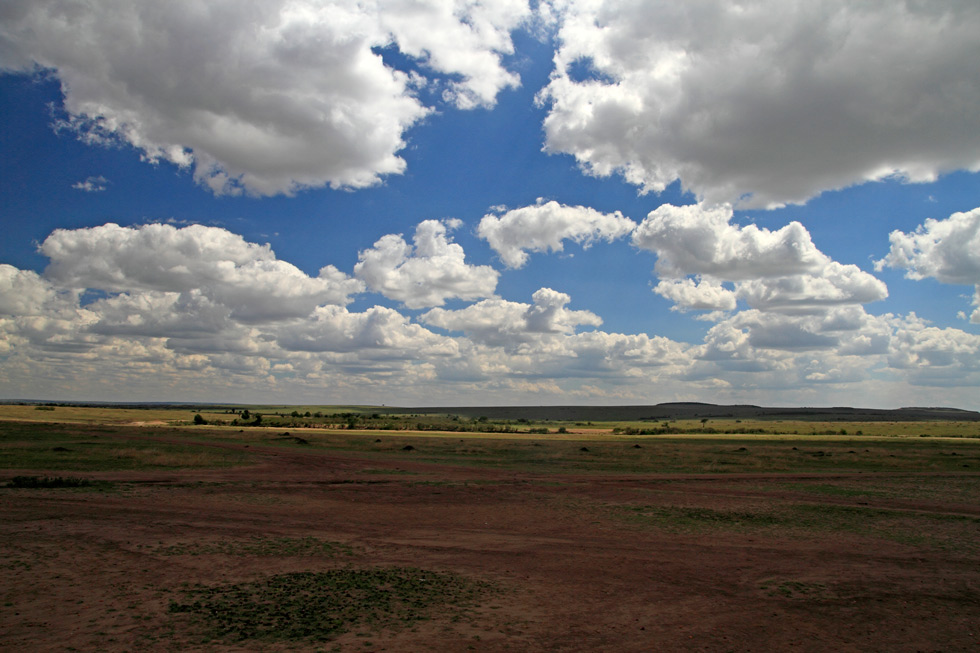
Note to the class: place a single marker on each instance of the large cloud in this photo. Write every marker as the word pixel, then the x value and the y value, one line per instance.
pixel 935 356
pixel 427 274
pixel 376 332
pixel 35 312
pixel 776 271
pixel 947 250
pixel 766 101
pixel 23 292
pixel 545 226
pixel 844 346
pixel 698 240
pixel 834 285
pixel 181 315
pixel 244 276
pixel 501 323
pixel 265 97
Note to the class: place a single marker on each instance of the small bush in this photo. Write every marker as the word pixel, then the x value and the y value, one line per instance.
pixel 48 482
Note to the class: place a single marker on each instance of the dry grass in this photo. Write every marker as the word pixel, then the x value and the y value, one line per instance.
pixel 93 414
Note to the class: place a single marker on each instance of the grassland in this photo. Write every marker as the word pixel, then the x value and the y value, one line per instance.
pixel 135 529
pixel 71 447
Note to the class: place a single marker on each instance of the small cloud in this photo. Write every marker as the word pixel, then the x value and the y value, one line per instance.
pixel 92 184
pixel 545 226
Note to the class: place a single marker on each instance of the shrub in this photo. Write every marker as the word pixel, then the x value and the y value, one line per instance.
pixel 48 482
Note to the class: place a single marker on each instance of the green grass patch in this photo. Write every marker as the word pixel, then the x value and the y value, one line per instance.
pixel 260 546
pixel 82 448
pixel 806 428
pixel 311 606
pixel 933 530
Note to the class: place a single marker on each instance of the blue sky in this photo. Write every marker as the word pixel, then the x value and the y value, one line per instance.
pixel 444 203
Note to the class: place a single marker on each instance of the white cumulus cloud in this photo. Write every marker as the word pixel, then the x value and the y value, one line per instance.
pixel 775 271
pixel 836 284
pixel 226 268
pixel 946 250
pixel 765 102
pixel 700 294
pixel 377 332
pixel 172 316
pixel 498 322
pixel 695 239
pixel 934 356
pixel 267 97
pixel 545 227
pixel 427 273
pixel 24 292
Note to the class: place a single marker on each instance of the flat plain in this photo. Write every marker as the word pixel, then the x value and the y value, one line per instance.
pixel 137 530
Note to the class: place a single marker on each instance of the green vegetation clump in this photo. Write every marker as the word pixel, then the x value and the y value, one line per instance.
pixel 261 546
pixel 309 606
pixel 49 482
pixel 385 422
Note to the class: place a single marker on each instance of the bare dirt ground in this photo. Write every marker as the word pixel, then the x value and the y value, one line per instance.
pixel 575 564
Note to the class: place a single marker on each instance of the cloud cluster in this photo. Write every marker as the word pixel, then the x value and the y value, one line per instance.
pixel 426 274
pixel 756 102
pixel 221 266
pixel 268 97
pixel 546 226
pixel 946 250
pixel 177 312
pixel 501 323
pixel 765 102
pixel 775 271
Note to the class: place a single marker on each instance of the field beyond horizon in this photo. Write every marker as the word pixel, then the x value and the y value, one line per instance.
pixel 368 529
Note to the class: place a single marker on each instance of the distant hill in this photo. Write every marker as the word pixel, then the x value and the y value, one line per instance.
pixel 694 410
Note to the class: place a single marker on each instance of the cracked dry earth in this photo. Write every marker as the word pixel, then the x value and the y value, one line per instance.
pixel 574 562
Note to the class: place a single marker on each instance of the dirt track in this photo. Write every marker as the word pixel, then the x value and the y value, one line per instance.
pixel 89 570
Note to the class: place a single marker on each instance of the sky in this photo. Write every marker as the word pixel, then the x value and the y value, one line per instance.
pixel 438 202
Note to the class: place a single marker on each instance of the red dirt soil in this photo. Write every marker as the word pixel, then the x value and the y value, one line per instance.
pixel 85 570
